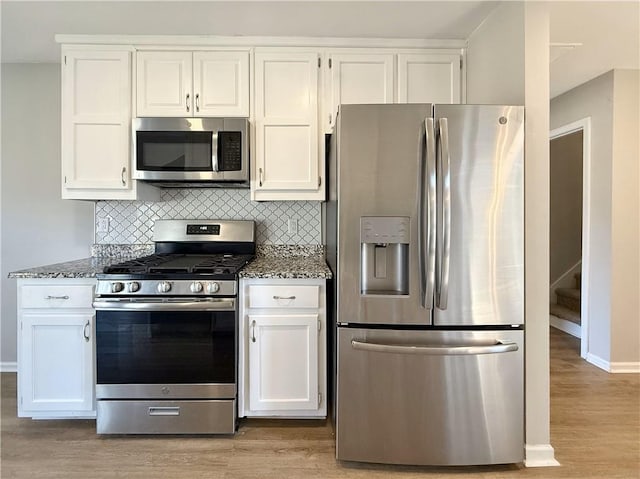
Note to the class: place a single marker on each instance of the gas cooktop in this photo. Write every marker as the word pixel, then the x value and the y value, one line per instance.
pixel 186 264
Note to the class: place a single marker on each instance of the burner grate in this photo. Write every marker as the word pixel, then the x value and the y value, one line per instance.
pixel 181 264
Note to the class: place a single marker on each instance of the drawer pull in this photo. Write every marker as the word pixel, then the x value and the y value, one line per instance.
pixel 253 331
pixel 57 297
pixel 164 411
pixel 291 298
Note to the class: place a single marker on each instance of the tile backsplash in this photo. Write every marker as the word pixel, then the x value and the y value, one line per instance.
pixel 131 222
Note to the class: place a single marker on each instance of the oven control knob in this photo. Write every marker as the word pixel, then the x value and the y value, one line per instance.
pixel 213 288
pixel 117 287
pixel 133 286
pixel 164 287
pixel 196 287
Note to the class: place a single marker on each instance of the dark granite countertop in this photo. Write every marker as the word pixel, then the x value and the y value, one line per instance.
pixel 288 262
pixel 80 268
pixel 272 261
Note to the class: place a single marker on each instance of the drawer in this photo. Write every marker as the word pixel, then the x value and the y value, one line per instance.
pixel 52 296
pixel 284 296
pixel 166 417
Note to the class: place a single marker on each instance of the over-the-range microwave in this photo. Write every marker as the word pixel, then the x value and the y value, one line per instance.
pixel 195 151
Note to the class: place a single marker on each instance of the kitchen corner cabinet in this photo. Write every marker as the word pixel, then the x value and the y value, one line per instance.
pixel 288 163
pixel 56 326
pixel 282 367
pixel 96 123
pixel 185 83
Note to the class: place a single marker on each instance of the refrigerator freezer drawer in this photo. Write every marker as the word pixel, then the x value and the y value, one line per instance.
pixel 430 397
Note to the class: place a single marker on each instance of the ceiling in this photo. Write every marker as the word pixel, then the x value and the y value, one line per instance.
pixel 607 31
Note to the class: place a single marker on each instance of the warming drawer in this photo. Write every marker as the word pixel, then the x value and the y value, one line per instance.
pixel 166 417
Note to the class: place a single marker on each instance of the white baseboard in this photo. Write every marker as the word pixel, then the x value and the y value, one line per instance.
pixel 568 327
pixel 625 368
pixel 539 455
pixel 615 367
pixel 598 361
pixel 8 367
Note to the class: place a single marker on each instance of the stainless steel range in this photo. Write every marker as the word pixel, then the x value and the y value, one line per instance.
pixel 166 332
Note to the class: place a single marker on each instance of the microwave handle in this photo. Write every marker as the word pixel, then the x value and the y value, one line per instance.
pixel 214 151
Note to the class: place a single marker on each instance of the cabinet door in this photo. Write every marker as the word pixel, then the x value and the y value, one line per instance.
pixel 359 79
pixel 286 122
pixel 164 84
pixel 221 83
pixel 429 78
pixel 56 363
pixel 283 362
pixel 96 115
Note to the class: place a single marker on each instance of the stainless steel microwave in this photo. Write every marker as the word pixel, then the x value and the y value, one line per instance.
pixel 207 151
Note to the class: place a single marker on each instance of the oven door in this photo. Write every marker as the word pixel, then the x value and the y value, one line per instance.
pixel 166 349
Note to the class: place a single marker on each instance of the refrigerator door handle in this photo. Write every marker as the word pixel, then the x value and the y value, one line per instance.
pixel 445 235
pixel 457 350
pixel 427 217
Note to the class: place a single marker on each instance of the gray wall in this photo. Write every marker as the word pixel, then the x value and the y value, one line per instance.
pixel 625 218
pixel 594 99
pixel 565 218
pixel 37 226
pixel 612 102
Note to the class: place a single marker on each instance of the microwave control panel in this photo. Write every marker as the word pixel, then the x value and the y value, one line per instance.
pixel 229 151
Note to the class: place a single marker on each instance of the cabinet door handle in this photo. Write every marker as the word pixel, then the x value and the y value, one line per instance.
pixel 187 102
pixel 284 297
pixel 57 297
pixel 84 331
pixel 260 179
pixel 253 331
pixel 197 101
pixel 122 176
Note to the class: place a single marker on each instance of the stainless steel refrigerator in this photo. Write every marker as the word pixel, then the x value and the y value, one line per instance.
pixel 425 239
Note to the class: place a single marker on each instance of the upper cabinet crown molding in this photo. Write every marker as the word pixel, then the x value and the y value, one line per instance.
pixel 263 41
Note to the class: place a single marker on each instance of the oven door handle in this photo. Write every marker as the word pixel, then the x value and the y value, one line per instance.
pixel 215 304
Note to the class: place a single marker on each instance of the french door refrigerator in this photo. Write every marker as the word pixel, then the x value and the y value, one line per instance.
pixel 425 239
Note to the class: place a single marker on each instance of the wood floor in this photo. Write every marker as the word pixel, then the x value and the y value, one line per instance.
pixel 595 430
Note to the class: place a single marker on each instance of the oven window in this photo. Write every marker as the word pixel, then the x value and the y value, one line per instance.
pixel 168 347
pixel 174 150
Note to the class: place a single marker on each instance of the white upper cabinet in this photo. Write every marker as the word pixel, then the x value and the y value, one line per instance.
pixel 287 158
pixel 96 119
pixel 221 83
pixel 184 83
pixel 164 83
pixel 429 78
pixel 359 78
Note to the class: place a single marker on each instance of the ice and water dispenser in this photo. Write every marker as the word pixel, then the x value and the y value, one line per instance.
pixel 384 255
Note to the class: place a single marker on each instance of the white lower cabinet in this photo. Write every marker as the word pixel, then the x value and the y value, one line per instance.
pixel 56 325
pixel 282 367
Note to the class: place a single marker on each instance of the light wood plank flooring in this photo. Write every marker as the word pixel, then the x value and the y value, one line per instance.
pixel 595 431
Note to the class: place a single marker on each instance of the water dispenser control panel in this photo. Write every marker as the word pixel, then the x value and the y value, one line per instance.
pixel 384 229
pixel 384 255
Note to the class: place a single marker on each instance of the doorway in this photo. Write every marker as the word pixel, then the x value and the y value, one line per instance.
pixel 569 258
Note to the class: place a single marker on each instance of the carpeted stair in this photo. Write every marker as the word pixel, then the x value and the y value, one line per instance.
pixel 568 302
